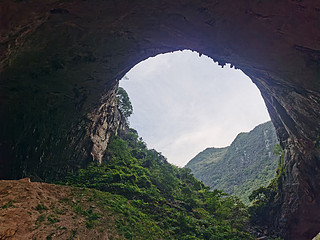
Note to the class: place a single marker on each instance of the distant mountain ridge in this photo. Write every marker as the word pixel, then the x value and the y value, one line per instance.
pixel 245 165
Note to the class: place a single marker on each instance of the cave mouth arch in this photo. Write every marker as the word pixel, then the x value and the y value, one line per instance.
pixel 66 100
pixel 184 102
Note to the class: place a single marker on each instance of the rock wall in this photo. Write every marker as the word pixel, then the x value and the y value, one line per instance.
pixel 60 62
pixel 105 121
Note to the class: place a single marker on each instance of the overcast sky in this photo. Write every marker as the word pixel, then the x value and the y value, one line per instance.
pixel 184 103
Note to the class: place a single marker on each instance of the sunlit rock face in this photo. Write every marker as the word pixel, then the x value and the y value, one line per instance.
pixel 60 62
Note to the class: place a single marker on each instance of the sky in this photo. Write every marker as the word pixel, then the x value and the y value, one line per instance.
pixel 184 103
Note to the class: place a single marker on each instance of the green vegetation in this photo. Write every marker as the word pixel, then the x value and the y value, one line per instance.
pixel 40 208
pixel 9 204
pixel 124 103
pixel 266 199
pixel 239 169
pixel 92 217
pixel 53 219
pixel 152 199
pixel 40 219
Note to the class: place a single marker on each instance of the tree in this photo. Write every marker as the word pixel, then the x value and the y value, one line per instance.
pixel 124 103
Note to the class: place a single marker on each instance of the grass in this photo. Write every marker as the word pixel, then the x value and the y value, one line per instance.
pixel 40 220
pixel 92 217
pixel 40 208
pixel 9 204
pixel 52 219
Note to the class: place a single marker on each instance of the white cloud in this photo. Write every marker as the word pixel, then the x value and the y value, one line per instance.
pixel 184 103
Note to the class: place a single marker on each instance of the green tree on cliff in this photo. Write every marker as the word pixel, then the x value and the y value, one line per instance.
pixel 124 103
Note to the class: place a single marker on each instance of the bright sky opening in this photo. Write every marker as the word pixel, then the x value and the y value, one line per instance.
pixel 184 103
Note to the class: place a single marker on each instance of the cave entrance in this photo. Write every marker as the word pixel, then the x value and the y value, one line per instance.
pixel 276 45
pixel 192 110
pixel 184 102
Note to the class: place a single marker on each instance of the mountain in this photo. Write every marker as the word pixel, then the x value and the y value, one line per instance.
pixel 245 165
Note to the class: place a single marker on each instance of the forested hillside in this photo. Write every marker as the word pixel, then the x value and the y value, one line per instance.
pixel 159 200
pixel 245 165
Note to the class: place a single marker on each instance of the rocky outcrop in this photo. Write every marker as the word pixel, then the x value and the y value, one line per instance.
pixel 106 121
pixel 58 59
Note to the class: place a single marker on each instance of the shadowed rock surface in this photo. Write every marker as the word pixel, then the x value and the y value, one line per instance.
pixel 60 62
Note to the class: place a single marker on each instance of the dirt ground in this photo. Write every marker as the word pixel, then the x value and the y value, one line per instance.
pixel 32 210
